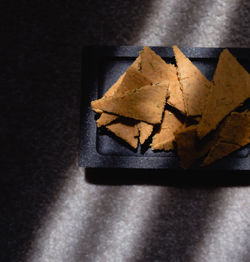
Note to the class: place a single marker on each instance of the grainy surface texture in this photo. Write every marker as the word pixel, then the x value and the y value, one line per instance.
pixel 53 211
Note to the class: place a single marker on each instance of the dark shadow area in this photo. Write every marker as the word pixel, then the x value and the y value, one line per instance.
pixel 103 208
pixel 41 58
pixel 178 226
pixel 192 178
pixel 24 201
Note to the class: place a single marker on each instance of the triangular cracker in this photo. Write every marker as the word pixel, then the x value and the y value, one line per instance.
pixel 236 129
pixel 195 86
pixel 145 131
pixel 105 119
pixel 127 132
pixel 189 148
pixel 128 80
pixel 112 90
pixel 157 70
pixel 176 96
pixel 219 151
pixel 133 79
pixel 232 134
pixel 164 138
pixel 145 103
pixel 231 88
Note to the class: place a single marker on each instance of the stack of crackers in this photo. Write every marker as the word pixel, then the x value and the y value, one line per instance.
pixel 177 107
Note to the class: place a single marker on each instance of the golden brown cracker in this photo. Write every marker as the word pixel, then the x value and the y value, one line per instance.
pixel 145 131
pixel 195 86
pixel 176 96
pixel 155 68
pixel 236 129
pixel 145 103
pixel 110 93
pixel 189 148
pixel 231 88
pixel 185 141
pixel 127 132
pixel 121 82
pixel 164 138
pixel 113 88
pixel 219 151
pixel 105 119
pixel 233 133
pixel 137 63
pixel 133 79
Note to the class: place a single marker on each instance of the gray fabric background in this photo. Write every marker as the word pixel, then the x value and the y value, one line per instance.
pixel 51 210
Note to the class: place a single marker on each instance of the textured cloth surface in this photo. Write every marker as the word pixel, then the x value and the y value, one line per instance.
pixel 53 211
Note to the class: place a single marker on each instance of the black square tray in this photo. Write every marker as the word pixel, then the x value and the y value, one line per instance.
pixel 101 67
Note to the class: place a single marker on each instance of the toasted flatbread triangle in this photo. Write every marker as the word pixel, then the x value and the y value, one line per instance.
pixel 189 149
pixel 235 129
pixel 157 70
pixel 232 134
pixel 185 141
pixel 128 133
pixel 145 103
pixel 231 88
pixel 131 79
pixel 176 96
pixel 195 86
pixel 164 138
pixel 105 119
pixel 145 131
pixel 112 90
pixel 219 151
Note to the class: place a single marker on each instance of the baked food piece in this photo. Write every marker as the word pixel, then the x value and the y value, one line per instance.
pixel 195 86
pixel 125 79
pixel 145 130
pixel 105 119
pixel 156 69
pixel 231 88
pixel 145 103
pixel 164 139
pixel 176 96
pixel 189 147
pixel 124 130
pixel 135 103
pixel 232 134
pixel 143 70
